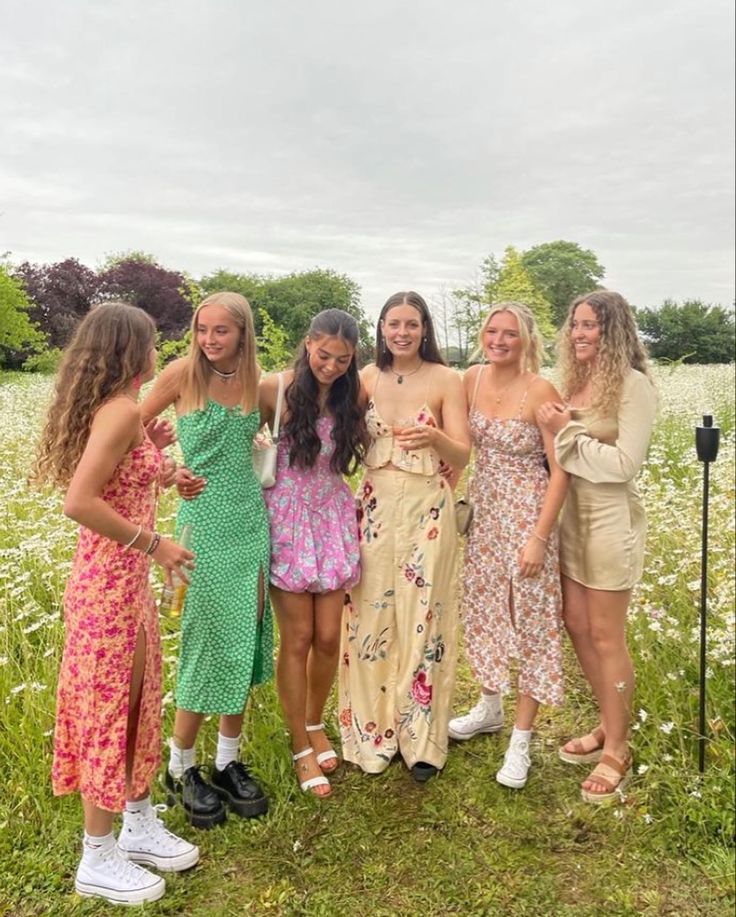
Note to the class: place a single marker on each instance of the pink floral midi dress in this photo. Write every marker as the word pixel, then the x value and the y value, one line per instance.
pixel 508 488
pixel 108 599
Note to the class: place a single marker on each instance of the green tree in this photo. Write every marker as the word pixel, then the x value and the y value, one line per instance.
pixel 273 344
pixel 561 271
pixel 514 282
pixel 690 331
pixel 293 300
pixel 18 336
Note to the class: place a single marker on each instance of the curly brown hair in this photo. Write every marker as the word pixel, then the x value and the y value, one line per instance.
pixel 619 351
pixel 110 347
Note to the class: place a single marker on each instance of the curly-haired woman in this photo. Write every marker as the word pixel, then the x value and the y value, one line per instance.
pixel 602 434
pixel 107 742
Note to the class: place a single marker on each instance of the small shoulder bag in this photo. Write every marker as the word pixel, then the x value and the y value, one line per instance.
pixel 265 445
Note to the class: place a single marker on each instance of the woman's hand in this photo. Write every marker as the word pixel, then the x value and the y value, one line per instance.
pixel 167 475
pixel 188 484
pixel 419 437
pixel 160 432
pixel 174 559
pixel 553 416
pixel 531 557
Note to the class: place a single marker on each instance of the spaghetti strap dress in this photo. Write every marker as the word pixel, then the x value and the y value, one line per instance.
pixel 399 638
pixel 508 489
pixel 226 644
pixel 107 601
pixel 314 529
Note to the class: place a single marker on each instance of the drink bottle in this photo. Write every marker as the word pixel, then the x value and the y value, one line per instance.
pixel 172 597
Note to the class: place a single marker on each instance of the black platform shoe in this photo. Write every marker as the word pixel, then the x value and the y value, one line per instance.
pixel 202 805
pixel 241 792
pixel 422 772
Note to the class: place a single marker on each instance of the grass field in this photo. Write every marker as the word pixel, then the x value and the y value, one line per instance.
pixel 384 845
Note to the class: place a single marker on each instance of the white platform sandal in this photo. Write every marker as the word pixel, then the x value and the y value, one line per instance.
pixel 311 782
pixel 324 757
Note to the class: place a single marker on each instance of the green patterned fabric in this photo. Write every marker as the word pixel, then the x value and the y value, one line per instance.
pixel 224 647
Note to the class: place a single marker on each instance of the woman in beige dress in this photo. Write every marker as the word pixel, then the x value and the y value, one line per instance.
pixel 399 631
pixel 601 438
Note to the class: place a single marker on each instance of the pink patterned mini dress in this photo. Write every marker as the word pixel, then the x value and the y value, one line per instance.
pixel 314 527
pixel 107 601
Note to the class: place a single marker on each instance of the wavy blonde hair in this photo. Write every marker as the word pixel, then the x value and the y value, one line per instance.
pixel 197 370
pixel 532 344
pixel 110 347
pixel 619 350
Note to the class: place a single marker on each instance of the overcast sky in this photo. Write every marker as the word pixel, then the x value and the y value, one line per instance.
pixel 396 142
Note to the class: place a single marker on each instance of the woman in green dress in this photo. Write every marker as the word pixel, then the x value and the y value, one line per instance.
pixel 226 636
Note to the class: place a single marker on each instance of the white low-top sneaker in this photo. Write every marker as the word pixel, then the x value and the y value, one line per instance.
pixel 516 764
pixel 145 839
pixel 105 873
pixel 486 716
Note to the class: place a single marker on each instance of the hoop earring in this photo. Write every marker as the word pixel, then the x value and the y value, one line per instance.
pixel 383 345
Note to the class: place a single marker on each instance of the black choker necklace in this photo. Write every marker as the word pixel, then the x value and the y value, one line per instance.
pixel 401 376
pixel 222 375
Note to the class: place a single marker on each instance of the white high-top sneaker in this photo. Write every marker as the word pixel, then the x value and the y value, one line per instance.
pixel 516 763
pixel 486 716
pixel 145 839
pixel 104 873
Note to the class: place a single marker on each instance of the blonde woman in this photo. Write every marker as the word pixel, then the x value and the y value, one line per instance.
pixel 226 636
pixel 512 602
pixel 602 433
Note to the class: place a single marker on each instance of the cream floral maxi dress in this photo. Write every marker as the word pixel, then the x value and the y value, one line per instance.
pixel 508 488
pixel 399 631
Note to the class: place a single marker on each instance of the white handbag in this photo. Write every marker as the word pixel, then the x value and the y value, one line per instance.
pixel 265 445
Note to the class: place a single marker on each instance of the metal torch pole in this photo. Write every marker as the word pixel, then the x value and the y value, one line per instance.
pixel 706 444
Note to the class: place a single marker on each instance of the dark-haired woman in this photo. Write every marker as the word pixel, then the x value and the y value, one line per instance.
pixel 314 533
pixel 399 635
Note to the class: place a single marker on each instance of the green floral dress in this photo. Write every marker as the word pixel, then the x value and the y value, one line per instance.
pixel 225 645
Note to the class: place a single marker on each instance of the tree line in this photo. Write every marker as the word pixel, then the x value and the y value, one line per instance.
pixel 40 304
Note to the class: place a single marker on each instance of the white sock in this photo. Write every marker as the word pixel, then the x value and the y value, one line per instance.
pixel 521 734
pixel 227 750
pixel 94 844
pixel 138 806
pixel 181 759
pixel 492 702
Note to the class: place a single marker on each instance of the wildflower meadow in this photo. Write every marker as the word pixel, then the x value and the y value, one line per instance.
pixel 385 845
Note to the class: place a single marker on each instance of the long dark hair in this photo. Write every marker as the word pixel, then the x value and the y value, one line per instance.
pixel 349 432
pixel 428 350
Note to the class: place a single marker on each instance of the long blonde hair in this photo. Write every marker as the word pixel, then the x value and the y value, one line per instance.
pixel 532 345
pixel 110 347
pixel 197 371
pixel 619 351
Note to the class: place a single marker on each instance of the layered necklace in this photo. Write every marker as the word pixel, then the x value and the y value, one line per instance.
pixel 226 377
pixel 401 376
pixel 497 394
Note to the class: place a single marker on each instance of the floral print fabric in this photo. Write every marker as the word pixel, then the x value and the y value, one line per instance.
pixel 507 489
pixel 399 632
pixel 314 532
pixel 107 601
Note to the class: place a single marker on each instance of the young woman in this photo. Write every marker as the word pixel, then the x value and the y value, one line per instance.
pixel 399 632
pixel 107 738
pixel 314 533
pixel 601 435
pixel 226 636
pixel 511 572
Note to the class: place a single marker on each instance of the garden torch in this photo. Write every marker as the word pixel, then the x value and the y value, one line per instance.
pixel 706 444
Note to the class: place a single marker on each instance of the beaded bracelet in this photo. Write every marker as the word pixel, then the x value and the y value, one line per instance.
pixel 134 538
pixel 154 543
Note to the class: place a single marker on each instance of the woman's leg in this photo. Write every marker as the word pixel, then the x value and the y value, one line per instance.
pixel 322 661
pixel 615 679
pixel 295 616
pixel 526 712
pixel 575 614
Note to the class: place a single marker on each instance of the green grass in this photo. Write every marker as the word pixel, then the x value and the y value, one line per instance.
pixel 384 845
